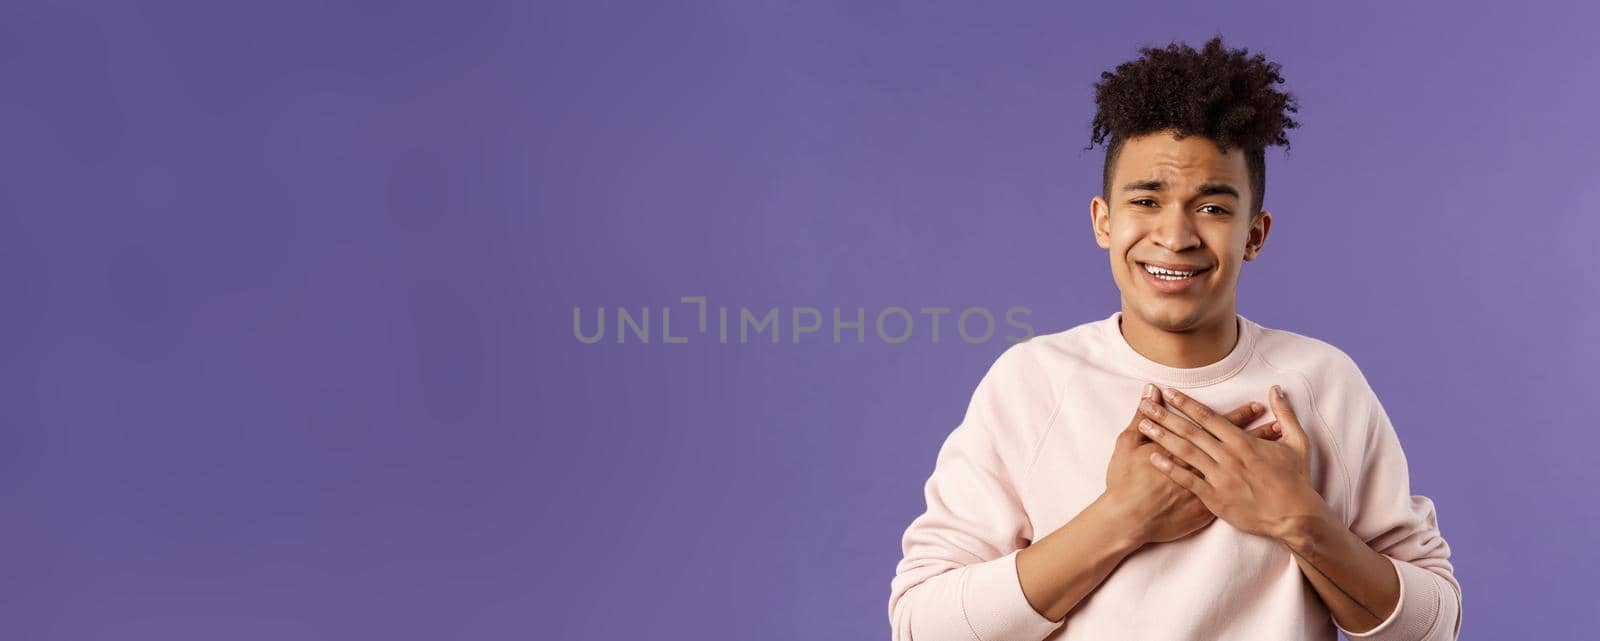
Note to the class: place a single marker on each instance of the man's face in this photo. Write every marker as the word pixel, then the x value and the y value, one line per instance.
pixel 1181 205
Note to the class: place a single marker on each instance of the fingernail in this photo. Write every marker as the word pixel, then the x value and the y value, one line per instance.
pixel 1173 391
pixel 1148 406
pixel 1147 427
pixel 1279 391
pixel 1254 406
pixel 1149 390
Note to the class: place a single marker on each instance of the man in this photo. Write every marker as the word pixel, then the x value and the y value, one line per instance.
pixel 1097 490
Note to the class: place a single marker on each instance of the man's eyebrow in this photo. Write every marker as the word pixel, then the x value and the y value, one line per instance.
pixel 1207 189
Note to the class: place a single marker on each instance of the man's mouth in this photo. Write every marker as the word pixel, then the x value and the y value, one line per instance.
pixel 1173 272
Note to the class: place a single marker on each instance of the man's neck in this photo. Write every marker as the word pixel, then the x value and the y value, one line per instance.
pixel 1194 348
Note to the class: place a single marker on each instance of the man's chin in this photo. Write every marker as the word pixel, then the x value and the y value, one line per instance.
pixel 1171 316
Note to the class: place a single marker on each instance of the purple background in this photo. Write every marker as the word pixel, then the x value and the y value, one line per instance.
pixel 288 294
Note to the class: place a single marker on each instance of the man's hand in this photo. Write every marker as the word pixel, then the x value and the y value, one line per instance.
pixel 1258 486
pixel 1160 509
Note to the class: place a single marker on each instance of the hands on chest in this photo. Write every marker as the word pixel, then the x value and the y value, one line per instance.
pixel 1179 464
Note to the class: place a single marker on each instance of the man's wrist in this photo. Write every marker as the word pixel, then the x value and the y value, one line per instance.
pixel 1127 528
pixel 1303 533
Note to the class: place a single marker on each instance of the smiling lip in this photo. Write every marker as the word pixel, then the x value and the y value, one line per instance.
pixel 1172 286
pixel 1174 266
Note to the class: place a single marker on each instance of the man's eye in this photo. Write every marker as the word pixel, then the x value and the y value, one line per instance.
pixel 1219 210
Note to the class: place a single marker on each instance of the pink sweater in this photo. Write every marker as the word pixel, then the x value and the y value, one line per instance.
pixel 1032 452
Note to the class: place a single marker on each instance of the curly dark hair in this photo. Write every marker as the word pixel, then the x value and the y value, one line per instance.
pixel 1224 95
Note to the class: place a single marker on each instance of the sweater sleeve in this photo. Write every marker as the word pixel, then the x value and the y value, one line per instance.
pixel 1405 529
pixel 957 580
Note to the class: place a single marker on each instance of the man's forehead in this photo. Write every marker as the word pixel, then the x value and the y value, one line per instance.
pixel 1204 188
pixel 1155 164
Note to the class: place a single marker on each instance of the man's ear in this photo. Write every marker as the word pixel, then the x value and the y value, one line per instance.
pixel 1100 218
pixel 1257 236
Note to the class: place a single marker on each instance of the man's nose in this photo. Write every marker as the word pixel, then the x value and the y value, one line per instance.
pixel 1175 231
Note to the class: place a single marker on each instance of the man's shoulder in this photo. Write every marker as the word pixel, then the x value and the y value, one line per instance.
pixel 1284 349
pixel 1336 382
pixel 1052 353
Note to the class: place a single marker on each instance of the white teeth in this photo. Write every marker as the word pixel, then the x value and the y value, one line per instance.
pixel 1167 274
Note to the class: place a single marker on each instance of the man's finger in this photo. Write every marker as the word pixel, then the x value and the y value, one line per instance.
pixel 1150 393
pixel 1129 439
pixel 1293 434
pixel 1182 446
pixel 1175 460
pixel 1183 476
pixel 1207 419
pixel 1181 428
pixel 1268 432
pixel 1244 414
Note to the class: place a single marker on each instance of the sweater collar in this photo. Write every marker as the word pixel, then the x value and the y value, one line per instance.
pixel 1165 375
